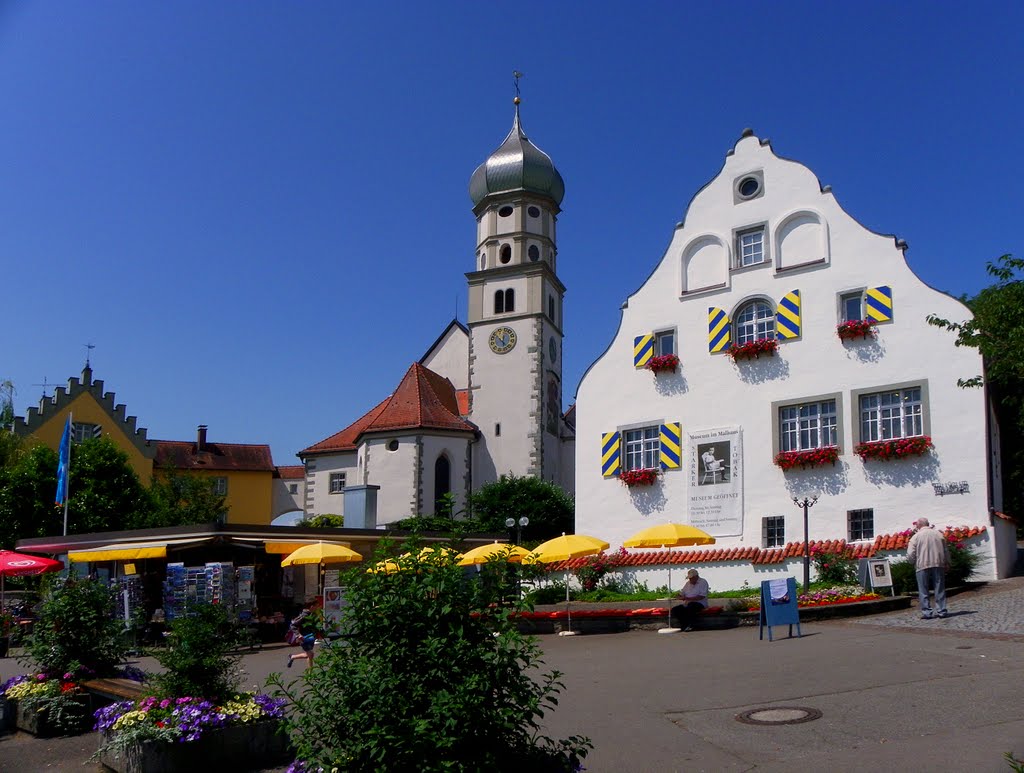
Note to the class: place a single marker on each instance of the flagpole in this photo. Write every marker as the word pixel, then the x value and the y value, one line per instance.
pixel 67 479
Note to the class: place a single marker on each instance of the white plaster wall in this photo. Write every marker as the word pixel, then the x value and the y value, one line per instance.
pixel 518 283
pixel 456 450
pixel 711 391
pixel 394 472
pixel 318 482
pixel 283 501
pixel 450 358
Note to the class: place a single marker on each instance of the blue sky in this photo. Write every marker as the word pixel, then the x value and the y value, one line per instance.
pixel 258 212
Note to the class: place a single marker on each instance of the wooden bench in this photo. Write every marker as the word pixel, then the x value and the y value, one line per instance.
pixel 112 690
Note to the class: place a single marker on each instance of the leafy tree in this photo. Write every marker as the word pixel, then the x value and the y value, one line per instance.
pixel 323 521
pixel 549 508
pixel 182 499
pixel 997 331
pixel 438 678
pixel 105 493
pixel 202 661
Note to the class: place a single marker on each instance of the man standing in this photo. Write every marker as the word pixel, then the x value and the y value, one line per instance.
pixel 694 594
pixel 927 549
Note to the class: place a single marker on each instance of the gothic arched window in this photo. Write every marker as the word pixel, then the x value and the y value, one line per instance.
pixel 510 300
pixel 442 480
pixel 499 302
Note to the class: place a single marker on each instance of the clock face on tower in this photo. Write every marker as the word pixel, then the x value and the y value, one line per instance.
pixel 502 340
pixel 553 349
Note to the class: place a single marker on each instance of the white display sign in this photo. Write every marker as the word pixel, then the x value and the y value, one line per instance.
pixel 334 603
pixel 715 498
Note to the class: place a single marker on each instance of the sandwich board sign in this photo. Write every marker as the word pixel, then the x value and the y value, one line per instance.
pixel 778 606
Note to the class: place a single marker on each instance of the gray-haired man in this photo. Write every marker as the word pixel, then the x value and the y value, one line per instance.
pixel 927 549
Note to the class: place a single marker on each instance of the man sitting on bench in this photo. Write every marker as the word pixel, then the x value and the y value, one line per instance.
pixel 694 594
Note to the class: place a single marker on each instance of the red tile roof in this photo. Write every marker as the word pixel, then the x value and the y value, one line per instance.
pixel 462 395
pixel 882 543
pixel 182 455
pixel 423 400
pixel 291 471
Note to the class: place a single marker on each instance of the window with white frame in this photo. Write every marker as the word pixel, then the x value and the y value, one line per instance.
pixel 642 448
pixel 898 413
pixel 220 486
pixel 81 431
pixel 861 524
pixel 336 482
pixel 808 426
pixel 665 342
pixel 750 247
pixel 754 321
pixel 773 531
pixel 851 306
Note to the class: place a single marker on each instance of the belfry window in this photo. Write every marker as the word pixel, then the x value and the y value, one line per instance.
pixel 504 301
pixel 534 252
pixel 505 254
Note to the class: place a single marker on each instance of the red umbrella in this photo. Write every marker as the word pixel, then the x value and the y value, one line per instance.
pixel 18 564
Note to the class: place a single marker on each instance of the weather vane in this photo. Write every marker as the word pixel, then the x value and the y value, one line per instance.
pixel 517 75
pixel 45 385
pixel 88 353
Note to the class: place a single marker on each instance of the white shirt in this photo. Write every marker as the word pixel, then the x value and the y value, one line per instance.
pixel 691 590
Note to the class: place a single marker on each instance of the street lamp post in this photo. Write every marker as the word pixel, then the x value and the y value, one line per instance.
pixel 519 524
pixel 806 503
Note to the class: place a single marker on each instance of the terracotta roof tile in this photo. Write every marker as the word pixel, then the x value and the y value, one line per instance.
pixel 759 556
pixel 423 399
pixel 291 471
pixel 462 395
pixel 182 455
pixel 346 439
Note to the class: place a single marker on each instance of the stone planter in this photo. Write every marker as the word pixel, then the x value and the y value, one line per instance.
pixel 36 722
pixel 253 746
pixel 7 715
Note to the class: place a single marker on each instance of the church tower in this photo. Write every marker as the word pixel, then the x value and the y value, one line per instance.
pixel 515 313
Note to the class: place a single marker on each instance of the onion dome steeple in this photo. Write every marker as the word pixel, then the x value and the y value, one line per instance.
pixel 517 165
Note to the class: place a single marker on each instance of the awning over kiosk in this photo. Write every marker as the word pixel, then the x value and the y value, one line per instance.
pixel 128 551
pixel 286 548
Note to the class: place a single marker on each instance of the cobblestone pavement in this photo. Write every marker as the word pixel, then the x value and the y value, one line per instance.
pixel 995 611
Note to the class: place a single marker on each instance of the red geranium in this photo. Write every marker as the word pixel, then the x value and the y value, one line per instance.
pixel 814 457
pixel 897 448
pixel 663 362
pixel 857 328
pixel 639 477
pixel 753 349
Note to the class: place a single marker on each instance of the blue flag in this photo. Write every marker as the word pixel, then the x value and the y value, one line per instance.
pixel 64 455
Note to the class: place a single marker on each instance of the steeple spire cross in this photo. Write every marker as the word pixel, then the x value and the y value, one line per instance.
pixel 517 75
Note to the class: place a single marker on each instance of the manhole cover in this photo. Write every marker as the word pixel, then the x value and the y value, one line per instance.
pixel 779 715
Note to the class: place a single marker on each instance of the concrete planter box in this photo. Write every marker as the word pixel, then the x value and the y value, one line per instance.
pixel 7 715
pixel 36 722
pixel 240 747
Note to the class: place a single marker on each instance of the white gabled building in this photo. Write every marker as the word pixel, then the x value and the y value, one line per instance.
pixel 766 252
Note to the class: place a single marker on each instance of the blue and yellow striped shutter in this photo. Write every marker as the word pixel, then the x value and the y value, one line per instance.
pixel 718 330
pixel 610 454
pixel 787 317
pixel 878 303
pixel 643 350
pixel 671 436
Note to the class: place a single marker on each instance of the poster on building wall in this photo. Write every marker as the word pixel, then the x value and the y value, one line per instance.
pixel 715 498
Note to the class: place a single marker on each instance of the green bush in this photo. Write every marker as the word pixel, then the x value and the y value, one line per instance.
pixel 834 568
pixel 551 593
pixel 435 677
pixel 904 577
pixel 962 560
pixel 76 631
pixel 200 659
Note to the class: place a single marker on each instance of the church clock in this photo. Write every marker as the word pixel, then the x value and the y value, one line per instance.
pixel 502 340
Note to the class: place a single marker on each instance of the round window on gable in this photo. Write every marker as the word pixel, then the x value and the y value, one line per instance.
pixel 392 445
pixel 505 211
pixel 533 211
pixel 749 187
pixel 534 252
pixel 506 253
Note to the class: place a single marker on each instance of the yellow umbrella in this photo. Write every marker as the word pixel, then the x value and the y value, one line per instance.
pixel 669 535
pixel 321 553
pixel 562 549
pixel 484 553
pixel 428 554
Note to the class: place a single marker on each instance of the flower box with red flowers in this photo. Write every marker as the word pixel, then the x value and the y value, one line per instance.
pixel 857 328
pixel 754 349
pixel 897 448
pixel 663 363
pixel 814 457
pixel 638 477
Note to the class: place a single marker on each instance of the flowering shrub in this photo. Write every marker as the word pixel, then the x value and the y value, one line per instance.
pixel 962 560
pixel 814 457
pixel 596 567
pixel 178 719
pixel 663 362
pixel 834 566
pixel 857 328
pixel 753 349
pixel 896 448
pixel 638 477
